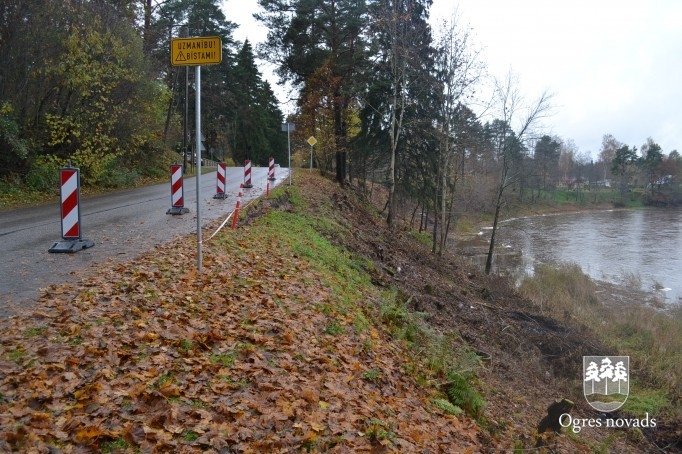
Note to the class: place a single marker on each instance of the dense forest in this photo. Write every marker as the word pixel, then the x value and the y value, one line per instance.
pixel 91 82
pixel 391 100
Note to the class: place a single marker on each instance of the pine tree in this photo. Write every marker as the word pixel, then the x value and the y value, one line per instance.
pixel 606 372
pixel 620 373
pixel 257 116
pixel 592 374
pixel 308 35
pixel 399 102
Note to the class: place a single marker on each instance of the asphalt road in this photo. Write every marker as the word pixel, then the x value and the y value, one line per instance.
pixel 123 225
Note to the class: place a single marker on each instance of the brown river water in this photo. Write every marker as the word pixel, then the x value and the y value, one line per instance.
pixel 627 247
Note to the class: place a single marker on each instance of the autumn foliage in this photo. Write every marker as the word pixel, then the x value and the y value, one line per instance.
pixel 270 349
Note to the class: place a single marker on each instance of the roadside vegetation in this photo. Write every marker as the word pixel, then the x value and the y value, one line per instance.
pixel 312 327
pixel 629 322
pixel 17 194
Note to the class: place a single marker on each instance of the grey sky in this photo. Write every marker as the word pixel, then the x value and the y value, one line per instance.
pixel 613 66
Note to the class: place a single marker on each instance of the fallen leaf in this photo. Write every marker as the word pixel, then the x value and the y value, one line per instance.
pixel 88 433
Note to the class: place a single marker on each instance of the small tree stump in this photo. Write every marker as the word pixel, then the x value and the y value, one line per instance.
pixel 554 412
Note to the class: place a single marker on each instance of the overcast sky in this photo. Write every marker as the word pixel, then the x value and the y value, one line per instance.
pixel 614 67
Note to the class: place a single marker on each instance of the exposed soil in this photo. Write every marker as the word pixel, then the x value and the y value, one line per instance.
pixel 529 359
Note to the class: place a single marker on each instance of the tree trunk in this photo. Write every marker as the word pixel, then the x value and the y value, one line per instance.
pixel 340 167
pixel 414 214
pixel 491 248
pixel 390 220
pixel 498 206
pixel 443 203
pixel 443 196
pixel 147 38
pixel 434 237
pixel 340 136
pixel 391 170
pixel 171 104
pixel 450 207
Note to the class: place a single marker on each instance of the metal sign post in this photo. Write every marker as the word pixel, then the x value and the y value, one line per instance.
pixel 197 107
pixel 196 52
pixel 312 141
pixel 288 127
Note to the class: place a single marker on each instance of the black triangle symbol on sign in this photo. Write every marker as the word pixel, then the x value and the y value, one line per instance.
pixel 180 57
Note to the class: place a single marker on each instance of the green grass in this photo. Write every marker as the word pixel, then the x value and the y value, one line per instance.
pixel 17 355
pixel 379 431
pixel 35 331
pixel 223 359
pixel 333 328
pixel 163 380
pixel 447 407
pixel 643 401
pixel 360 322
pixel 190 436
pixel 306 236
pixel 371 375
pixel 424 238
pixel 15 196
pixel 113 446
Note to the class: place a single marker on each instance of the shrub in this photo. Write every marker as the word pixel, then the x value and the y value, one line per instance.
pixel 44 173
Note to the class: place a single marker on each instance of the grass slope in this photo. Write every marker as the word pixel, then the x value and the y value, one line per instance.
pixel 312 328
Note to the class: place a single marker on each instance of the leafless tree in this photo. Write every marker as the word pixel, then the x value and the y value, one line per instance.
pixel 509 144
pixel 460 70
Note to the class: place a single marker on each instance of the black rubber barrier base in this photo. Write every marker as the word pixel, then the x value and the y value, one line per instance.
pixel 220 196
pixel 71 246
pixel 177 210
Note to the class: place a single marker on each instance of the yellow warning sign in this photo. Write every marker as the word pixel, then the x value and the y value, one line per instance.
pixel 196 51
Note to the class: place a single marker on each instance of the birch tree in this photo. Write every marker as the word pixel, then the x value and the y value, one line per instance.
pixel 459 70
pixel 509 144
pixel 402 82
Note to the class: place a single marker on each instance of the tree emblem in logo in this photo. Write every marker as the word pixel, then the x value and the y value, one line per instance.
pixel 605 381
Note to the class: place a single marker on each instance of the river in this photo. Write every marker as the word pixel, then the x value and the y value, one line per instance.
pixel 632 247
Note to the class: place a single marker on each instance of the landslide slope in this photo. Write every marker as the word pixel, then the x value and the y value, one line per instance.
pixel 292 338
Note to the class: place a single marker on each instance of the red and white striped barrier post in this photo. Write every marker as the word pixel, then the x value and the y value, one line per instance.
pixel 69 189
pixel 221 179
pixel 177 194
pixel 236 210
pixel 271 169
pixel 247 174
